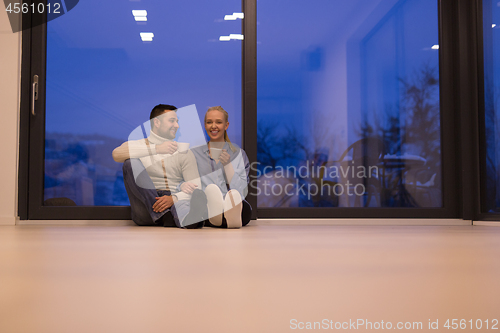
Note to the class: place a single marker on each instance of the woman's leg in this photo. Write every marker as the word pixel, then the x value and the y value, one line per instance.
pixel 246 213
pixel 215 203
pixel 246 216
pixel 194 212
pixel 233 207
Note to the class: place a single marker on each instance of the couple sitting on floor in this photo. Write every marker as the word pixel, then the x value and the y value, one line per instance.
pixel 171 186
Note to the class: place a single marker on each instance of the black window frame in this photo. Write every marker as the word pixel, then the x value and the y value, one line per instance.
pixel 481 212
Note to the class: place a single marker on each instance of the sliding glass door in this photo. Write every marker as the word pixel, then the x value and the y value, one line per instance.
pixel 349 108
pixel 102 67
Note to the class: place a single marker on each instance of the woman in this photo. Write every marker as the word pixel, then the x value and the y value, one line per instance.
pixel 223 169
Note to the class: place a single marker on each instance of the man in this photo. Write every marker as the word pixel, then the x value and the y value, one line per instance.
pixel 152 171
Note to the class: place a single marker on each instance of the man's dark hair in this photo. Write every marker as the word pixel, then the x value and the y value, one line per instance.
pixel 159 109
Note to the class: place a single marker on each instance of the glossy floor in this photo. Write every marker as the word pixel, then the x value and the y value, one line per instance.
pixel 256 279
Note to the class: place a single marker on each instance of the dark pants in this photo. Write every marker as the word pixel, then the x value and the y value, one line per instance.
pixel 142 196
pixel 246 213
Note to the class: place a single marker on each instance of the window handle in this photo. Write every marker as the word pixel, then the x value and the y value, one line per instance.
pixel 34 94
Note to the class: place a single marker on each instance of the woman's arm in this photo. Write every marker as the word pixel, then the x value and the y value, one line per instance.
pixel 241 169
pixel 229 171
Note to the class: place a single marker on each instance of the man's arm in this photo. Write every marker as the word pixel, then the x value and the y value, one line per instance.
pixel 164 202
pixel 133 149
pixel 189 170
pixel 142 148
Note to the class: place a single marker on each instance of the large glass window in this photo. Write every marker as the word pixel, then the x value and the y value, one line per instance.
pixel 348 104
pixel 109 63
pixel 491 31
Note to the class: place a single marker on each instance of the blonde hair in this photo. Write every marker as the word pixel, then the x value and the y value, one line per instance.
pixel 226 118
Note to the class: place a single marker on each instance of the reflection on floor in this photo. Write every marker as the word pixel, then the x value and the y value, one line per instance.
pixel 257 279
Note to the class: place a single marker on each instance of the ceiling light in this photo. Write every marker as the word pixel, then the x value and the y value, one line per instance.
pixel 147 36
pixel 140 15
pixel 234 16
pixel 435 47
pixel 236 36
pixel 140 12
pixel 224 38
pixel 493 25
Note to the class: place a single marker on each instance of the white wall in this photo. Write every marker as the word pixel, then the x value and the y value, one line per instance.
pixel 10 78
